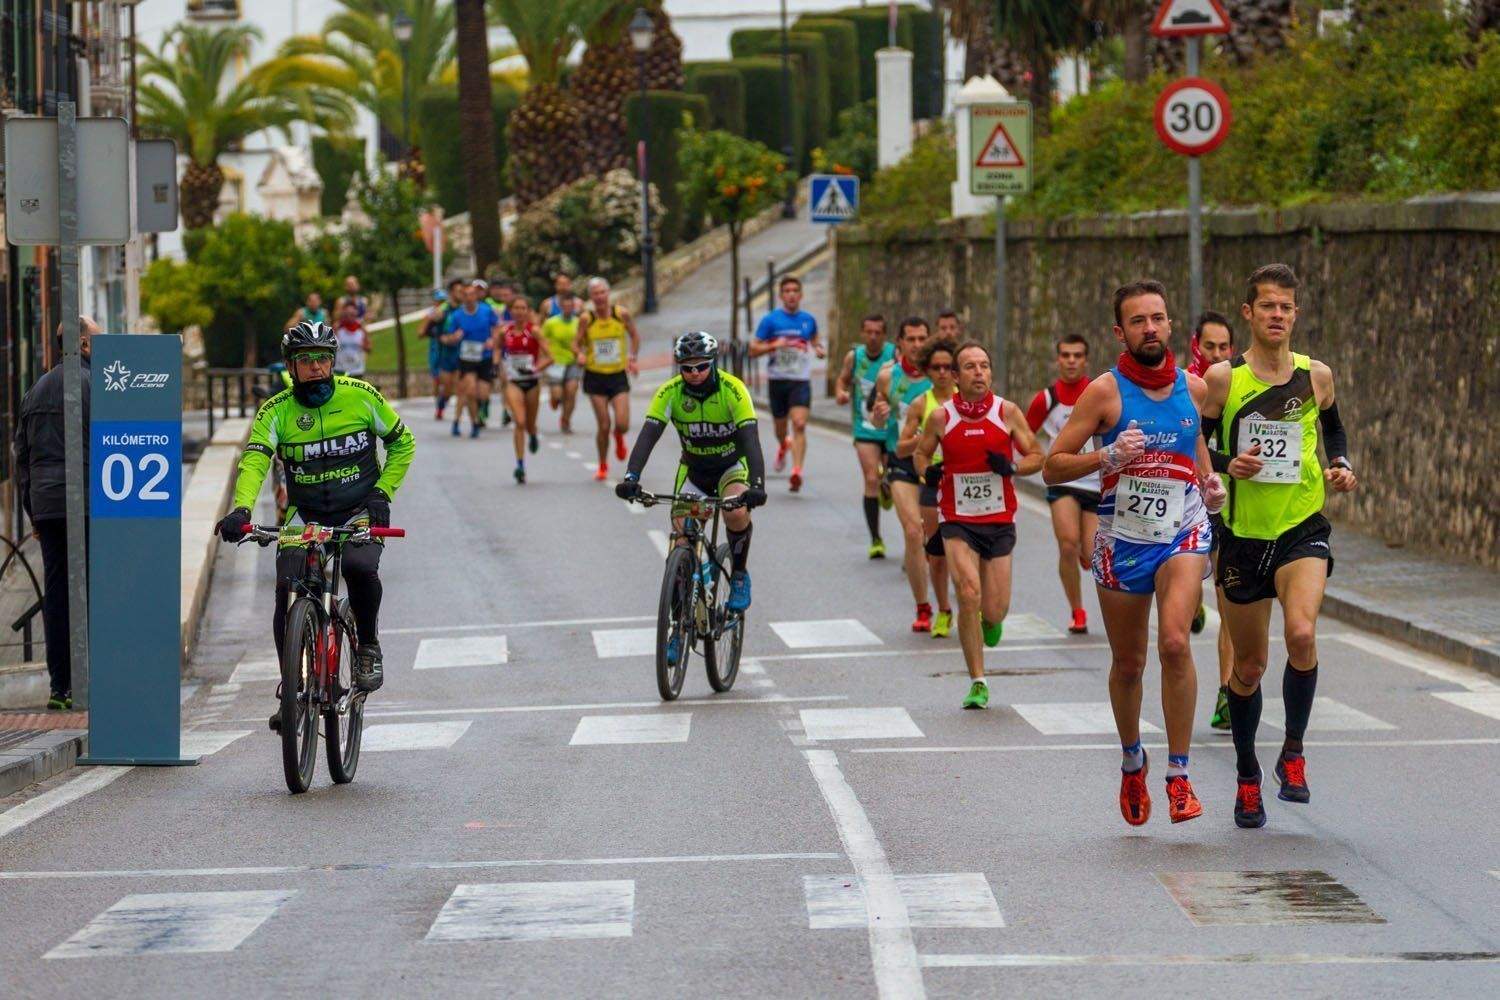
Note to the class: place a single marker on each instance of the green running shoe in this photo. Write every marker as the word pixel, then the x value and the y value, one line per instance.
pixel 877 549
pixel 886 500
pixel 942 623
pixel 979 695
pixel 992 633
pixel 58 703
pixel 1200 619
pixel 1220 718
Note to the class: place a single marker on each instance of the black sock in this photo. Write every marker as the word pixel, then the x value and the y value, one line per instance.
pixel 1297 687
pixel 739 547
pixel 1244 720
pixel 872 517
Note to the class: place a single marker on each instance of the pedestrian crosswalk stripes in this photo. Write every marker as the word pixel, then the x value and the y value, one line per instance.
pixel 390 736
pixel 1266 897
pixel 598 730
pixel 837 902
pixel 824 633
pixel 255 667
pixel 536 911
pixel 1486 703
pixel 1073 718
pixel 174 922
pixel 858 724
pixel 612 642
pixel 462 651
pixel 1328 715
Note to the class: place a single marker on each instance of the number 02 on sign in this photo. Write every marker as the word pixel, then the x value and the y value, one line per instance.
pixel 1192 116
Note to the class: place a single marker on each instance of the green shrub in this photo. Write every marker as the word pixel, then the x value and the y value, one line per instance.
pixel 927 60
pixel 724 88
pixel 872 26
pixel 444 153
pixel 810 65
pixel 671 111
pixel 336 158
pixel 764 108
pixel 842 42
pixel 916 191
pixel 852 149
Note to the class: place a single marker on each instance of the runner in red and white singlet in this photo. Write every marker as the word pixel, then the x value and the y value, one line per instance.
pixel 524 357
pixel 985 441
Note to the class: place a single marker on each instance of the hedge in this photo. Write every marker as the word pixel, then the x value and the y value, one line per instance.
pixel 667 110
pixel 843 55
pixel 811 53
pixel 927 60
pixel 872 26
pixel 438 112
pixel 763 107
pixel 336 158
pixel 725 90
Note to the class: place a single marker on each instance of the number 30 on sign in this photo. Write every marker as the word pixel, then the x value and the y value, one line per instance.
pixel 1192 116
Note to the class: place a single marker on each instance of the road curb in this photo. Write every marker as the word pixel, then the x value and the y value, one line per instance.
pixel 40 758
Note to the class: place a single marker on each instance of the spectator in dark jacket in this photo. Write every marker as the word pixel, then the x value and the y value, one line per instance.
pixel 41 486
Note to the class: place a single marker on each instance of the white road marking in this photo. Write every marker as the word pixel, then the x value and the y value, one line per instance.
pixel 893 953
pixel 612 642
pixel 599 730
pixel 1028 626
pixel 659 539
pixel 536 911
pixel 587 465
pixel 954 961
pixel 636 509
pixel 90 780
pixel 1484 702
pixel 950 651
pixel 719 701
pixel 751 667
pixel 228 688
pixel 948 900
pixel 462 651
pixel 554 444
pixel 858 724
pixel 1073 718
pixel 762 682
pixel 555 623
pixel 207 742
pixel 1218 744
pixel 413 735
pixel 256 667
pixel 1328 716
pixel 354 867
pixel 826 632
pixel 574 454
pixel 1260 898
pixel 1465 677
pixel 173 923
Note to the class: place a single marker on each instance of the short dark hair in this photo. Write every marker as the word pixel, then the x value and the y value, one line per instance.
pixel 1146 286
pixel 789 279
pixel 1073 338
pixel 456 281
pixel 502 281
pixel 1280 275
pixel 873 318
pixel 947 314
pixel 972 343
pixel 937 345
pixel 913 321
pixel 1212 316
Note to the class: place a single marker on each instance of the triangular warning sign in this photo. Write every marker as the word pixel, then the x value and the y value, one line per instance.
pixel 834 203
pixel 1177 18
pixel 1000 150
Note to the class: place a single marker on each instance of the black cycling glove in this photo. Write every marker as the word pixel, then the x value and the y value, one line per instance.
pixel 934 475
pixel 231 526
pixel 755 497
pixel 999 463
pixel 378 505
pixel 628 488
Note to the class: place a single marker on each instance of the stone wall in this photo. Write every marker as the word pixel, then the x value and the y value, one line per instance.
pixel 1403 301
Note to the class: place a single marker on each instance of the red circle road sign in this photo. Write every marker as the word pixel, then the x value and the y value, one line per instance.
pixel 1192 116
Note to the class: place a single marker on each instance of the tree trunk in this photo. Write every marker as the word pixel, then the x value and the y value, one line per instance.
pixel 250 346
pixel 395 294
pixel 1039 91
pixel 476 126
pixel 734 282
pixel 1133 32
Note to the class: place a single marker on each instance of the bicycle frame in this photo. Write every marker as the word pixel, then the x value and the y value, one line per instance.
pixel 699 509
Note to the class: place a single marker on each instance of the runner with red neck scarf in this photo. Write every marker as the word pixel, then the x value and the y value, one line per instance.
pixel 1074 507
pixel 1157 490
pixel 897 388
pixel 985 442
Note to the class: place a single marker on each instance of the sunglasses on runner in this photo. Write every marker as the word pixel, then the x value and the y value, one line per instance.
pixel 695 367
pixel 939 368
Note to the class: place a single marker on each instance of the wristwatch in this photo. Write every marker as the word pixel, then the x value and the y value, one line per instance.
pixel 1341 463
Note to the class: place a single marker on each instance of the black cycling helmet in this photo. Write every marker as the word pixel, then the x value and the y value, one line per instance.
pixel 308 336
pixel 695 344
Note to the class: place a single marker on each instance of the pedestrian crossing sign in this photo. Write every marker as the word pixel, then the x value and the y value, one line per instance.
pixel 1000 148
pixel 834 197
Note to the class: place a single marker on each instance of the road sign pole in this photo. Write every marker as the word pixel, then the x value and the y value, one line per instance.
pixel 1002 303
pixel 1195 208
pixel 74 469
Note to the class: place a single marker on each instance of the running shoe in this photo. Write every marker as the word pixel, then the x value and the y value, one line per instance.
pixel 57 703
pixel 620 452
pixel 739 591
pixel 978 696
pixel 521 474
pixel 992 632
pixel 942 624
pixel 456 431
pixel 781 453
pixel 601 473
pixel 877 549
pixel 1291 771
pixel 1249 811
pixel 1080 624
pixel 1182 803
pixel 1220 719
pixel 474 431
pixel 923 622
pixel 886 501
pixel 795 483
pixel 439 417
pixel 532 444
pixel 1135 798
pixel 1200 619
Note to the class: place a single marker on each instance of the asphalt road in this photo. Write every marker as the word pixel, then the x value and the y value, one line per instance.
pixel 835 826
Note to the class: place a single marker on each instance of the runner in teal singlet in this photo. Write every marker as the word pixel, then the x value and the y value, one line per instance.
pixel 862 366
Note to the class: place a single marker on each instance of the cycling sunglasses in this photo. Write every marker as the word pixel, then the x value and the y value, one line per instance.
pixel 314 356
pixel 694 368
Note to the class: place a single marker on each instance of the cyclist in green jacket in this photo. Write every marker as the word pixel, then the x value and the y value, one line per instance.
pixel 324 430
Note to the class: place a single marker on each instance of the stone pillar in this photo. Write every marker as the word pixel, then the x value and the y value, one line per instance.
pixel 979 90
pixel 893 104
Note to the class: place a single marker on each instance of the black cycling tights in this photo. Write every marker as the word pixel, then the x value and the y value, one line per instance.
pixel 361 582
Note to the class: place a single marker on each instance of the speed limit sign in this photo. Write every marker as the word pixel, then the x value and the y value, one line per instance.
pixel 1192 116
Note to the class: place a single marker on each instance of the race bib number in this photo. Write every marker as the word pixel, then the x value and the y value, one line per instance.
pixel 471 350
pixel 607 352
pixel 788 359
pixel 1280 449
pixel 1149 510
pixel 519 366
pixel 978 494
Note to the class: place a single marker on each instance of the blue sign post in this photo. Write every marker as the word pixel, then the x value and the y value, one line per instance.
pixel 834 197
pixel 135 551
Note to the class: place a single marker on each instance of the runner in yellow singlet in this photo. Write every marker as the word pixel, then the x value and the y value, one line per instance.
pixel 608 345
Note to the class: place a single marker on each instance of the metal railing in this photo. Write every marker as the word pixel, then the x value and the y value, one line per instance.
pixel 23 623
pixel 235 391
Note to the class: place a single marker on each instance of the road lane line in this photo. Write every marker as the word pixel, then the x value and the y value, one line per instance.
pixel 1062 645
pixel 1467 678
pixel 35 808
pixel 659 539
pixel 556 622
pixel 1207 745
pixel 893 951
pixel 589 706
pixel 955 961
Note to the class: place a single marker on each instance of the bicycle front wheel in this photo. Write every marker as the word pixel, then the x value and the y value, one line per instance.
pixel 721 655
pixel 342 729
pixel 299 717
pixel 674 623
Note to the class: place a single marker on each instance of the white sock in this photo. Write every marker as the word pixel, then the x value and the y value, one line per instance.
pixel 1133 757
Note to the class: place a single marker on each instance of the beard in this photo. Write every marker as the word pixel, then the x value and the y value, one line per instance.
pixel 1149 353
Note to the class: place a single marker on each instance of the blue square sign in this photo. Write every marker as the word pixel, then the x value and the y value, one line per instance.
pixel 834 197
pixel 137 468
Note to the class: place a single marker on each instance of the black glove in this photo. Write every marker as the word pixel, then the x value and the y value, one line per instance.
pixel 934 475
pixel 378 506
pixel 755 496
pixel 628 489
pixel 231 526
pixel 999 464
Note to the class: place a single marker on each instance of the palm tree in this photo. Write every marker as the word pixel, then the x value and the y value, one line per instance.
pixel 608 73
pixel 476 124
pixel 1038 31
pixel 188 93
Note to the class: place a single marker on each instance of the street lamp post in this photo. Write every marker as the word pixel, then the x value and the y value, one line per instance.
pixel 642 31
pixel 789 206
pixel 402 28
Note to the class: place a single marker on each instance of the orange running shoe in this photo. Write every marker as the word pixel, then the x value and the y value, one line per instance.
pixel 1182 803
pixel 602 473
pixel 795 483
pixel 923 622
pixel 1135 800
pixel 620 451
pixel 1080 624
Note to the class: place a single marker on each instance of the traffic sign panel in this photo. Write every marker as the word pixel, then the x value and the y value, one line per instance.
pixel 1000 148
pixel 834 197
pixel 1182 18
pixel 1192 116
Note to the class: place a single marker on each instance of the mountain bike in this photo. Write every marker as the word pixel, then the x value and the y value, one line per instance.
pixel 317 663
pixel 694 588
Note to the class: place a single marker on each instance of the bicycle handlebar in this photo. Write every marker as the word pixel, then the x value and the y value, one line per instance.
pixel 647 499
pixel 265 534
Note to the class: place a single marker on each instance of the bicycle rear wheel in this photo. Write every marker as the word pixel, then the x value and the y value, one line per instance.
pixel 342 729
pixel 721 654
pixel 674 622
pixel 299 717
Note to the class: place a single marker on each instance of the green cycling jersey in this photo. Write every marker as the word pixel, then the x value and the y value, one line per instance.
pixel 707 427
pixel 329 451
